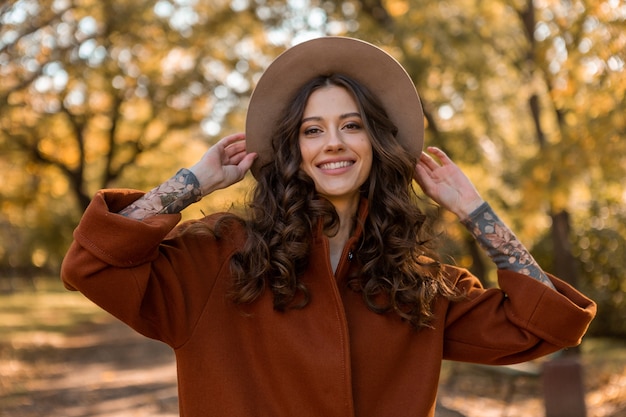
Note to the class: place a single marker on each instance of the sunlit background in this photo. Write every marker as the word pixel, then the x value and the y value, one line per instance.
pixel 528 96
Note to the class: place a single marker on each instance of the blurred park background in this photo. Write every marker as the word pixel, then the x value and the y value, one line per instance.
pixel 528 96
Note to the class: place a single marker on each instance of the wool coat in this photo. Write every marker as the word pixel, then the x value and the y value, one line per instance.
pixel 333 358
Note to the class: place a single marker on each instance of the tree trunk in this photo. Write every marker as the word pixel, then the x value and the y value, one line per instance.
pixel 564 262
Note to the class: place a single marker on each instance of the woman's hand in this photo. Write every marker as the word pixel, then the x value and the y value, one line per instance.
pixel 446 184
pixel 224 164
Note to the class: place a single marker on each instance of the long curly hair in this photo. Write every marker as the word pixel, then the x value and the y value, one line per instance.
pixel 396 252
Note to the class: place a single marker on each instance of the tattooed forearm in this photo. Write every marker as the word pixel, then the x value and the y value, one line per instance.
pixel 170 197
pixel 501 245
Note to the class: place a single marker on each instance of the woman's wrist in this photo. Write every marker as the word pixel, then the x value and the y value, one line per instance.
pixel 466 211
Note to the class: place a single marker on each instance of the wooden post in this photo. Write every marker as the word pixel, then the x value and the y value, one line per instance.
pixel 563 390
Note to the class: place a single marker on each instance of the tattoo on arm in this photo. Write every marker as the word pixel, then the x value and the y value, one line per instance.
pixel 170 197
pixel 502 246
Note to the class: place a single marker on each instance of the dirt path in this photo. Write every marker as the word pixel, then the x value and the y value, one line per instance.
pixel 100 370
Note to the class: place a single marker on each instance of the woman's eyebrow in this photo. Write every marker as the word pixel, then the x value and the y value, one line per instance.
pixel 343 116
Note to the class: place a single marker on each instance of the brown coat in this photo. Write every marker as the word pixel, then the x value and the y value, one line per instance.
pixel 334 358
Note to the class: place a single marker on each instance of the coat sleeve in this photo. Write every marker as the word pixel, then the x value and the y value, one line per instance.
pixel 131 270
pixel 522 320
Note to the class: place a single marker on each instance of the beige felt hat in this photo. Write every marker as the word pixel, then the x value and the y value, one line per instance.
pixel 362 61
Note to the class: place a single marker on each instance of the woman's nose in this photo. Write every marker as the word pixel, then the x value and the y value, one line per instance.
pixel 334 141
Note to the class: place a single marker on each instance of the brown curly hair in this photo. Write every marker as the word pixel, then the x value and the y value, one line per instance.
pixel 395 252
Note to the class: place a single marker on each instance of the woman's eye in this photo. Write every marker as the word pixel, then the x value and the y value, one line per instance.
pixel 311 131
pixel 352 126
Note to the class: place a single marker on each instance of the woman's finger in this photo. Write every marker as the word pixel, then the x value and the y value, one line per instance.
pixel 441 155
pixel 231 139
pixel 428 162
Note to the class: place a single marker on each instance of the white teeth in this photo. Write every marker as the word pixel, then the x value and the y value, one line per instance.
pixel 336 165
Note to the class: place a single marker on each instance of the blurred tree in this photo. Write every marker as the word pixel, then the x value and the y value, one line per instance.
pixel 88 88
pixel 95 90
pixel 570 53
pixel 600 250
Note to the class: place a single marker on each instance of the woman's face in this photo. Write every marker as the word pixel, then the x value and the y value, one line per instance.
pixel 336 150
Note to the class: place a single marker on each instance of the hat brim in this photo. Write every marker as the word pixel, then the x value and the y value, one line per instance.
pixel 369 65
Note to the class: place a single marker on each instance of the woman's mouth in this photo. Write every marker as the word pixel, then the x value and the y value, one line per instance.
pixel 336 165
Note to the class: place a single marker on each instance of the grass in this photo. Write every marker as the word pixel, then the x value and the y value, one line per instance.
pixel 51 309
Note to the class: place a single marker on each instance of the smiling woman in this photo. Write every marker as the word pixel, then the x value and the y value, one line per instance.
pixel 327 297
pixel 335 147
